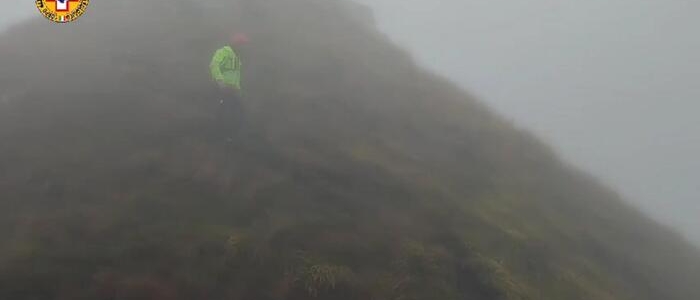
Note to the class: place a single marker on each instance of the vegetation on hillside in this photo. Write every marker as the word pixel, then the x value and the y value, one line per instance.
pixel 359 175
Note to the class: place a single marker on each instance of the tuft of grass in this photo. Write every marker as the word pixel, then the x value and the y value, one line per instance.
pixel 317 276
pixel 322 277
pixel 237 243
pixel 495 275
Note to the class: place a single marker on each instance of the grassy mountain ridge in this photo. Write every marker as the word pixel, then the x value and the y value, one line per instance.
pixel 363 176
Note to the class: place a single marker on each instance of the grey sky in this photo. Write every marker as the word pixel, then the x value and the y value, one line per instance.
pixel 21 10
pixel 614 85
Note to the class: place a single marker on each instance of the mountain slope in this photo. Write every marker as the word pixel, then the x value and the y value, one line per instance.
pixel 361 176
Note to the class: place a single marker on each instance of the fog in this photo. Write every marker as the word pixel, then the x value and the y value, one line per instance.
pixel 613 85
pixel 22 11
pixel 342 168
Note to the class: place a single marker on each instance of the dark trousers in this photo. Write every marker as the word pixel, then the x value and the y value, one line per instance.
pixel 229 113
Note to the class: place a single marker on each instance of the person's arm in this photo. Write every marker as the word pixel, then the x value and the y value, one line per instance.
pixel 215 65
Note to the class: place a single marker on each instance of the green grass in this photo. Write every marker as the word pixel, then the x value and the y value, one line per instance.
pixel 362 176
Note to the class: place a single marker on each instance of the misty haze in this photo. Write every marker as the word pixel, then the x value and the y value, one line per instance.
pixel 314 149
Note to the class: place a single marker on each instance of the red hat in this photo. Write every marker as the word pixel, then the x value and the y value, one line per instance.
pixel 239 39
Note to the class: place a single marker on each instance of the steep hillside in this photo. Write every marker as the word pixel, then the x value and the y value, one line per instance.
pixel 360 175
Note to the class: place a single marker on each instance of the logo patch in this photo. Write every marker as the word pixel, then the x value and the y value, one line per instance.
pixel 62 11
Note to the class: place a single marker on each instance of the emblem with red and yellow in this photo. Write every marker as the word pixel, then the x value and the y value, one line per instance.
pixel 62 11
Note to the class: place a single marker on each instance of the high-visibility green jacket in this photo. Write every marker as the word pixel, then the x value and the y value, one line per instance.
pixel 225 67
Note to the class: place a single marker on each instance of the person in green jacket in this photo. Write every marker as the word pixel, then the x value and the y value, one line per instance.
pixel 226 70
